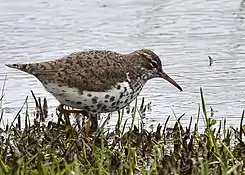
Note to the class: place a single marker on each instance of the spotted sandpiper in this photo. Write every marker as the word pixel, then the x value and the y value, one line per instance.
pixel 97 81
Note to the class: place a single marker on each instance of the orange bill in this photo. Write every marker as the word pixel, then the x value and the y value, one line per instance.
pixel 170 80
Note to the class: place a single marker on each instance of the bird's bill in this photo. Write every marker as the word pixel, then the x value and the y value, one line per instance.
pixel 170 80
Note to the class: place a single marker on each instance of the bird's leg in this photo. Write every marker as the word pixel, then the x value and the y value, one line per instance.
pixel 91 124
pixel 61 109
pixel 94 121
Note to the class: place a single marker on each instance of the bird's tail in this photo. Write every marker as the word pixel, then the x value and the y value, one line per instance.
pixel 23 67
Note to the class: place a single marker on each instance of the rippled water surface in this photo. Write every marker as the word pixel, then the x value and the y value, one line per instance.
pixel 182 33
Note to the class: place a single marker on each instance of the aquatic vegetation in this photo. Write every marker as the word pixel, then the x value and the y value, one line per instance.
pixel 63 147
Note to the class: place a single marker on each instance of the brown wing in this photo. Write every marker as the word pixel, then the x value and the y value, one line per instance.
pixel 92 70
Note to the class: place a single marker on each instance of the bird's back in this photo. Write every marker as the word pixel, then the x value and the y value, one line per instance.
pixel 88 70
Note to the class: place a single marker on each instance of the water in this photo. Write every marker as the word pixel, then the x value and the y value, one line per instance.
pixel 182 33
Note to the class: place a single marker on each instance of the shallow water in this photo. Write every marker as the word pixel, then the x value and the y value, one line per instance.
pixel 182 33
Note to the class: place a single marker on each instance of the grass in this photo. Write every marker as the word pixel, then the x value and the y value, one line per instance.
pixel 46 147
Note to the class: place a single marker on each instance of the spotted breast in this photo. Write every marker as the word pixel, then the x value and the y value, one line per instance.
pixel 111 100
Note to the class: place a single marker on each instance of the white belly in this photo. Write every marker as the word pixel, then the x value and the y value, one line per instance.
pixel 95 102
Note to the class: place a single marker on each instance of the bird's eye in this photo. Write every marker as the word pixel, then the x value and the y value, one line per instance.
pixel 154 63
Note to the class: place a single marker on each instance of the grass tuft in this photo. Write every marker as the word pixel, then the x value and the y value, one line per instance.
pixel 63 147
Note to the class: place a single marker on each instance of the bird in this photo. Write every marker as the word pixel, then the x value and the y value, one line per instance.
pixel 97 81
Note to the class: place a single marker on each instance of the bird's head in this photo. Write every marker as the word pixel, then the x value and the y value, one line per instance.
pixel 152 63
